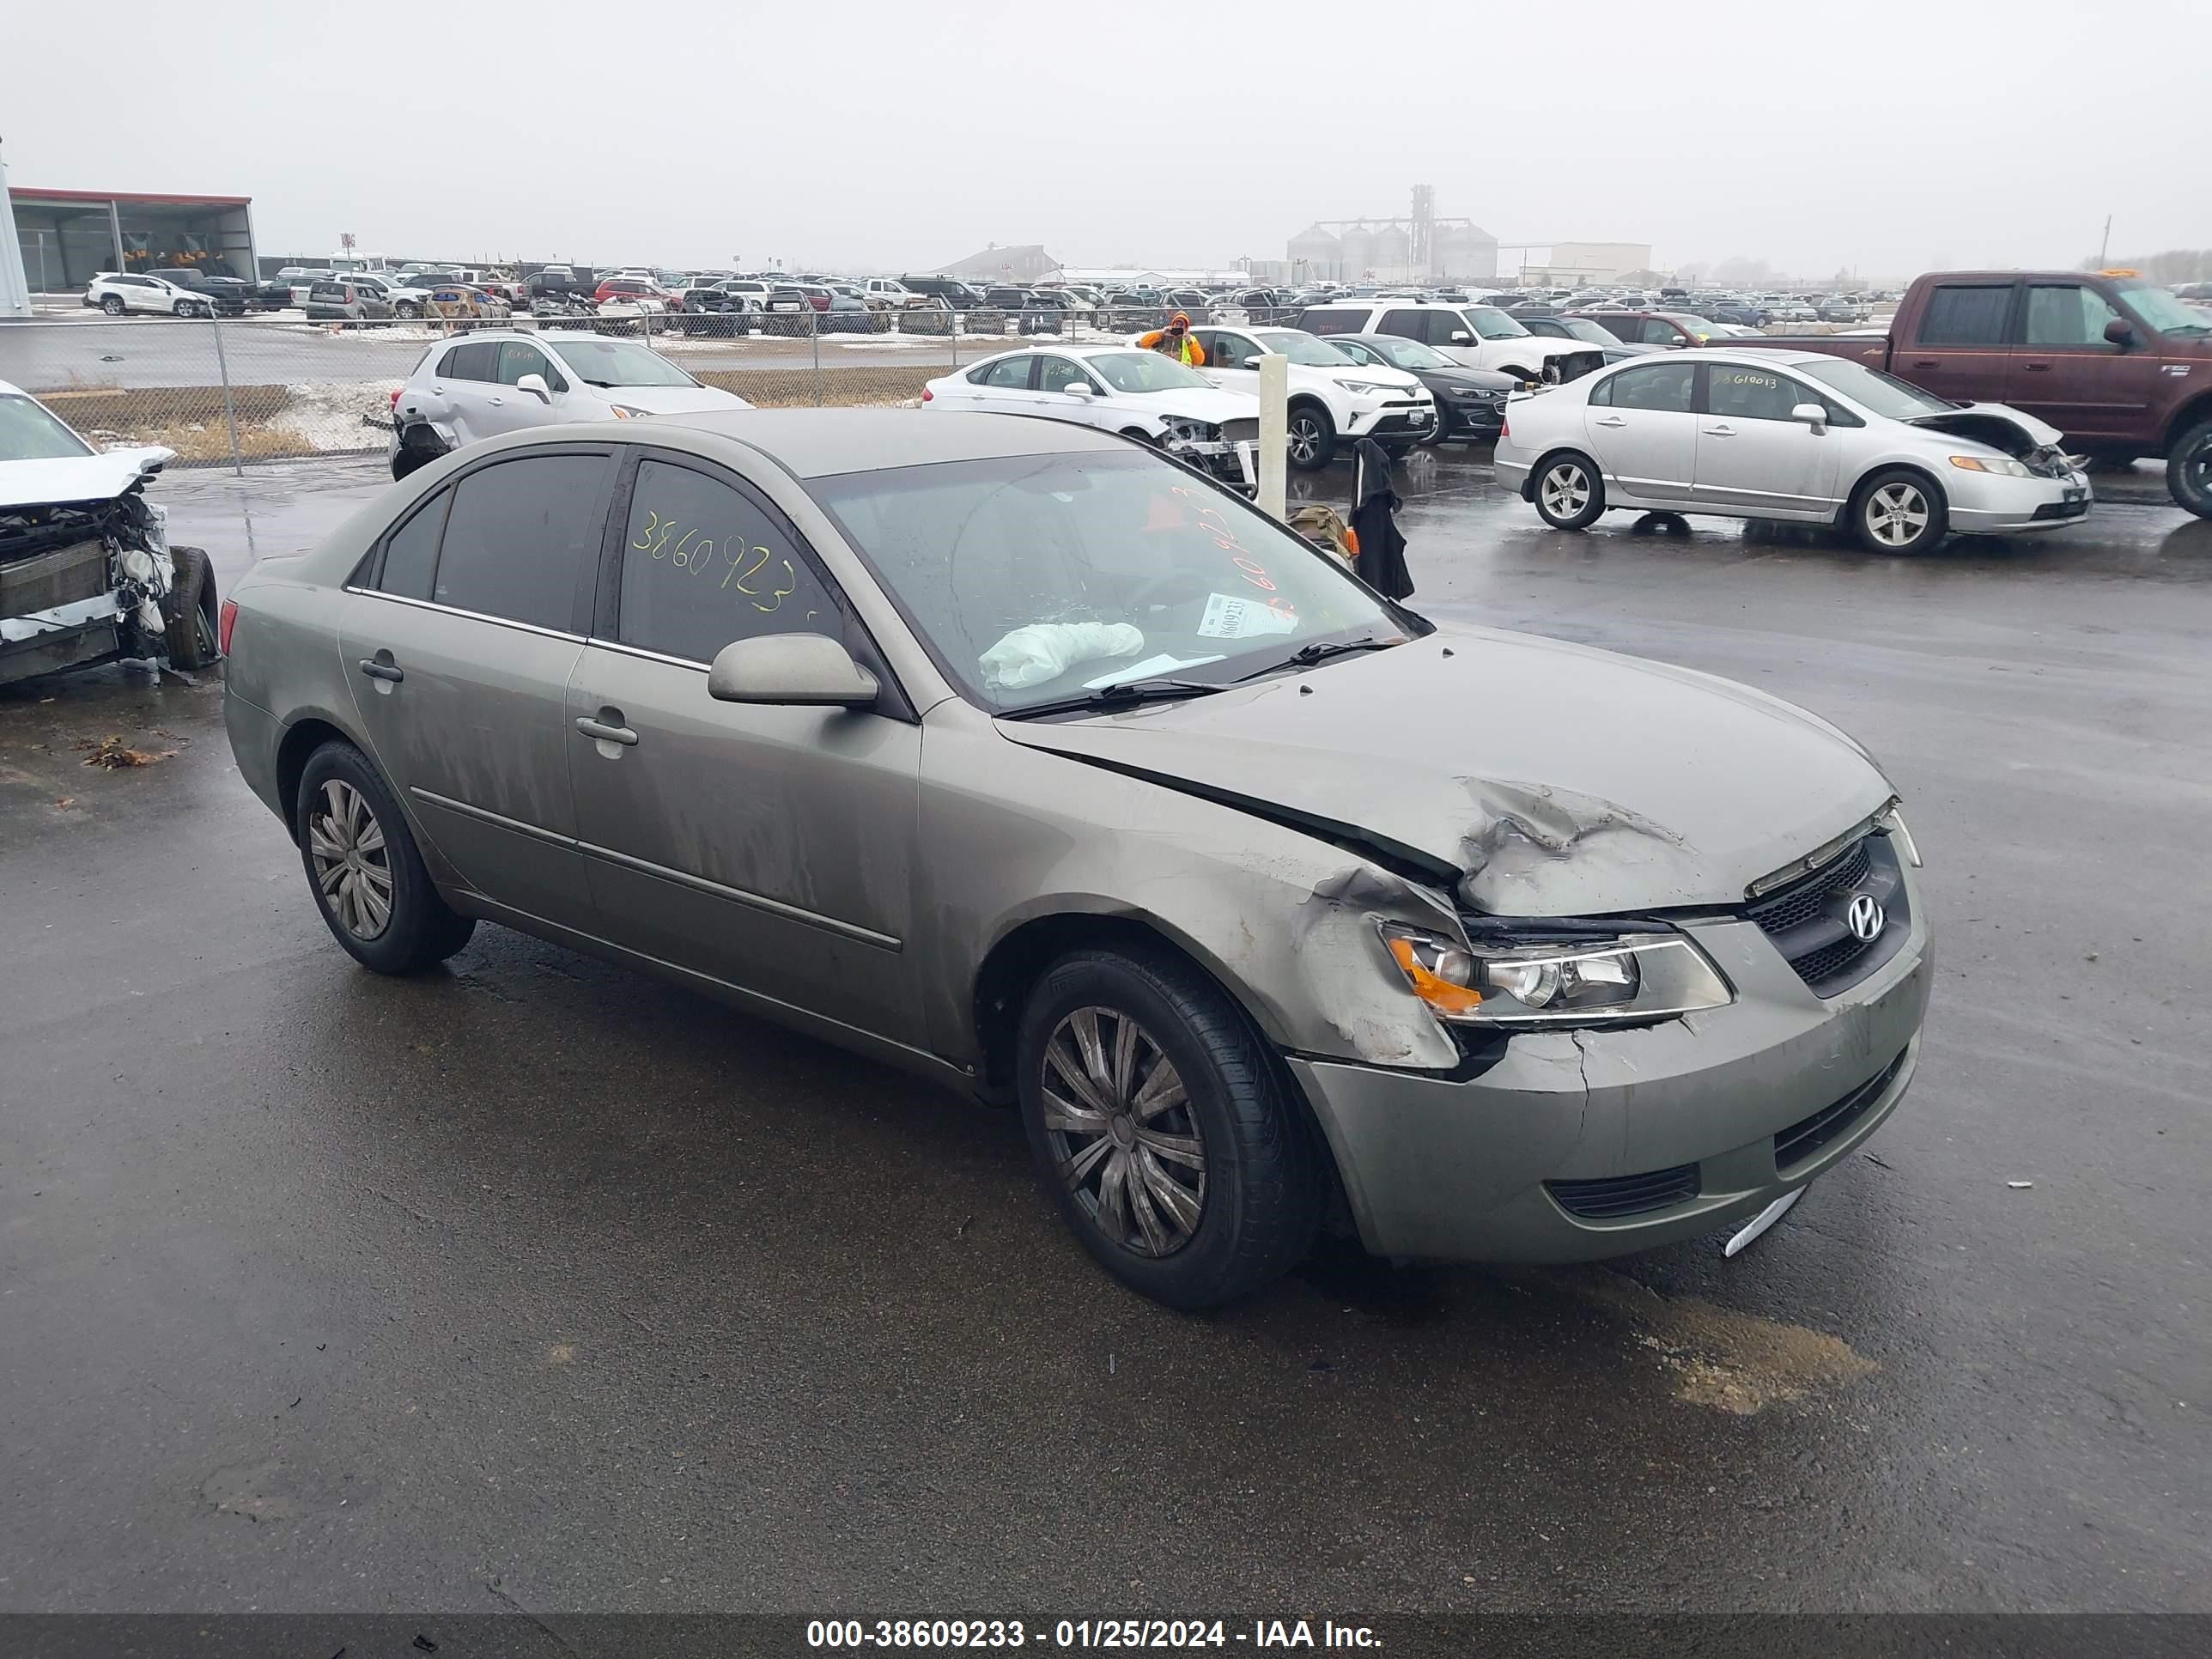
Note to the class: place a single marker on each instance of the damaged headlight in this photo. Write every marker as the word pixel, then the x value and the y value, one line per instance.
pixel 1634 976
pixel 2003 466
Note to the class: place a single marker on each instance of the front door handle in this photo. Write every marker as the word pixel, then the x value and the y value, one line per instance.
pixel 1611 420
pixel 2037 368
pixel 608 730
pixel 1926 362
pixel 381 668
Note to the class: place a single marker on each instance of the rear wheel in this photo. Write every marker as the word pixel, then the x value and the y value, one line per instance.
pixel 1156 1116
pixel 1312 437
pixel 2189 469
pixel 361 862
pixel 1898 512
pixel 112 305
pixel 1568 495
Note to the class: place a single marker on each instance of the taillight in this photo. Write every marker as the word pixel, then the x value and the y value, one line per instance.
pixel 927 395
pixel 226 619
pixel 1505 427
pixel 396 390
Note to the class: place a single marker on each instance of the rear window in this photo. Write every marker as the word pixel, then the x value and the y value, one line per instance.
pixel 1343 319
pixel 1967 316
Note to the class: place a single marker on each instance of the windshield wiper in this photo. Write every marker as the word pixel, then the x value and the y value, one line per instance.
pixel 1321 651
pixel 1122 694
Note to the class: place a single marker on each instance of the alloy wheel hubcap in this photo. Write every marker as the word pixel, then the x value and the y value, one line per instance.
pixel 1305 439
pixel 1897 514
pixel 1566 491
pixel 1123 1133
pixel 352 865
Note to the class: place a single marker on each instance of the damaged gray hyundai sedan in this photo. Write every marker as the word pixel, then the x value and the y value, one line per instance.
pixel 1018 755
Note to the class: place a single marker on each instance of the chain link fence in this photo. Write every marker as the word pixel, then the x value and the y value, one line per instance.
pixel 234 392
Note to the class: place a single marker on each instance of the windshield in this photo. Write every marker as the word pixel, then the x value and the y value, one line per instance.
pixel 1147 370
pixel 1034 578
pixel 2157 307
pixel 1871 389
pixel 1301 348
pixel 1405 354
pixel 620 363
pixel 29 433
pixel 1583 329
pixel 1490 324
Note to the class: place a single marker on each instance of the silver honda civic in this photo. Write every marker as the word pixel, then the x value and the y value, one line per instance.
pixel 1020 756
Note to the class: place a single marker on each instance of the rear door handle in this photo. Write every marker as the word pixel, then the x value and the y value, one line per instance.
pixel 1611 420
pixel 609 731
pixel 2036 368
pixel 1720 431
pixel 1926 362
pixel 384 669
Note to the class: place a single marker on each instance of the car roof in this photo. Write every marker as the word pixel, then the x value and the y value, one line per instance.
pixel 815 443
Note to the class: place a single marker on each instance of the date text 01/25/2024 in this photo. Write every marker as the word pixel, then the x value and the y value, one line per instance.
pixel 954 1634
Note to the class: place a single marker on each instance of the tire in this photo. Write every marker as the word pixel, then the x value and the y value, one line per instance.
pixel 350 829
pixel 112 305
pixel 1898 511
pixel 408 310
pixel 191 609
pixel 1312 437
pixel 184 308
pixel 2189 469
pixel 1569 492
pixel 412 457
pixel 1248 1210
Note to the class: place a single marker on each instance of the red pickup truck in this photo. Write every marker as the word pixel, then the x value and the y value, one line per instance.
pixel 2117 364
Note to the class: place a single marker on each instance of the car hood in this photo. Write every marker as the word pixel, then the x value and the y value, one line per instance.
pixel 671 399
pixel 1192 404
pixel 1475 379
pixel 1541 778
pixel 80 478
pixel 1992 424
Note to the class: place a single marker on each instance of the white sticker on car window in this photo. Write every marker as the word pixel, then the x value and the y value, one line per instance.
pixel 1230 617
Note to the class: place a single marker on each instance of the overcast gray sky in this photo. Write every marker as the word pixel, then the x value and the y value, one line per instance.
pixel 860 135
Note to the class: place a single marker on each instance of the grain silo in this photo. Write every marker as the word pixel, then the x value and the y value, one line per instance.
pixel 1321 254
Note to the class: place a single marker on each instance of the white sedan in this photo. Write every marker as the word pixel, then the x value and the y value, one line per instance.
pixel 1140 394
pixel 1791 436
pixel 1332 398
pixel 497 381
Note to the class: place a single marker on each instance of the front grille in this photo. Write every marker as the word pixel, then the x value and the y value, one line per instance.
pixel 1240 432
pixel 1801 1139
pixel 1805 920
pixel 1623 1195
pixel 2062 510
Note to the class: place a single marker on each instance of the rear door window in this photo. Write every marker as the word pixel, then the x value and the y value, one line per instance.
pixel 1963 314
pixel 1661 388
pixel 704 564
pixel 410 552
pixel 518 537
pixel 477 361
pixel 1008 373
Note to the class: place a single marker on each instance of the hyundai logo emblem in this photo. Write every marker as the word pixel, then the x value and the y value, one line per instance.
pixel 1865 919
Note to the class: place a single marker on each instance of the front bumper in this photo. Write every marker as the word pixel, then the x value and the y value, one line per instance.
pixel 1472 419
pixel 1470 1167
pixel 1396 419
pixel 1981 505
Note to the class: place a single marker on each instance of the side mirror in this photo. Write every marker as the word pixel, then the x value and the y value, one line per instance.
pixel 535 387
pixel 810 670
pixel 1460 337
pixel 2120 333
pixel 1813 415
pixel 1078 389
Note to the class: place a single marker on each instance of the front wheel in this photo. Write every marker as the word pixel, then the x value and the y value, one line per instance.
pixel 409 310
pixel 1312 438
pixel 193 641
pixel 1568 494
pixel 2189 469
pixel 368 879
pixel 1156 1116
pixel 1897 511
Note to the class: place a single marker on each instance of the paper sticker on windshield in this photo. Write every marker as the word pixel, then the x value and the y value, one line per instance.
pixel 1230 618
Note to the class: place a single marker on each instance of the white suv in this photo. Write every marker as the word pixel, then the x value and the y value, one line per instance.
pixel 888 294
pixel 1332 396
pixel 116 293
pixel 1473 337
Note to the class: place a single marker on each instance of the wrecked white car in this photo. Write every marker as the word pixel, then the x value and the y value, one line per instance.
pixel 87 573
pixel 1015 754
pixel 1795 436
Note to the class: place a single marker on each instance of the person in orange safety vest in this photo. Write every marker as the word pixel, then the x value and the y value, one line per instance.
pixel 1175 341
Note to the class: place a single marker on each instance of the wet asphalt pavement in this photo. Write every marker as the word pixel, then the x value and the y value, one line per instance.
pixel 536 1285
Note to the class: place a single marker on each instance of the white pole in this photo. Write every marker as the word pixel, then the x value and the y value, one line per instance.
pixel 1274 434
pixel 15 290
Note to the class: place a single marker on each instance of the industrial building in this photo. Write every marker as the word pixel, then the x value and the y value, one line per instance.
pixel 1419 248
pixel 1027 263
pixel 69 236
pixel 1574 264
